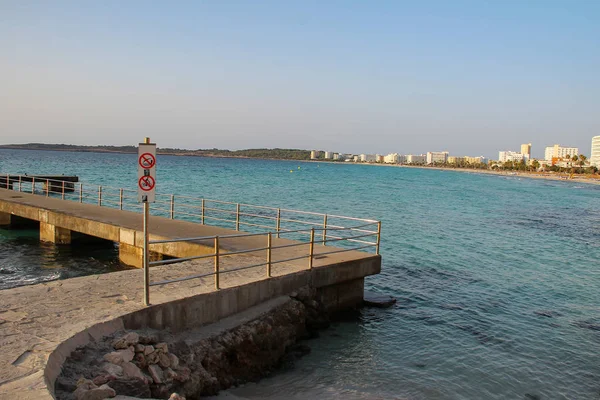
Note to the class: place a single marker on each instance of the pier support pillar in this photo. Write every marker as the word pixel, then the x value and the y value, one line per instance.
pixel 133 255
pixel 54 234
pixel 5 219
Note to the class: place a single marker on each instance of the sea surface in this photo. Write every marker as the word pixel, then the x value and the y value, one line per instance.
pixel 497 278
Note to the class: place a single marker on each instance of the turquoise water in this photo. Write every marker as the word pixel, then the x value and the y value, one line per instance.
pixel 497 278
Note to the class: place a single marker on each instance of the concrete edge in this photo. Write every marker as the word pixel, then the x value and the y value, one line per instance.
pixel 205 309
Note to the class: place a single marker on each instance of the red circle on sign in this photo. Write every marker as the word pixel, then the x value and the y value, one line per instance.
pixel 146 183
pixel 147 160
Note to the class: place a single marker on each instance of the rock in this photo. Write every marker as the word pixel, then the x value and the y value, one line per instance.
pixel 163 360
pixel 99 393
pixel 132 371
pixel 85 384
pixel 169 375
pixel 176 396
pixel 124 342
pixel 153 358
pixel 140 360
pixel 371 299
pixel 312 304
pixel 162 347
pixel 148 349
pixel 156 373
pixel 183 374
pixel 174 360
pixel 114 358
pixel 64 384
pixel 102 379
pixel 148 339
pixel 139 348
pixel 127 355
pixel 113 369
pixel 131 387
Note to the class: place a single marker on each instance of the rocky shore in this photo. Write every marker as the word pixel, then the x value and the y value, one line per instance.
pixel 162 365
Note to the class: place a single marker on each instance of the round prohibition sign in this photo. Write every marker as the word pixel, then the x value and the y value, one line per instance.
pixel 147 160
pixel 146 183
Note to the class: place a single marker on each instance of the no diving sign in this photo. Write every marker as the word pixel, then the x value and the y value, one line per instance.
pixel 146 172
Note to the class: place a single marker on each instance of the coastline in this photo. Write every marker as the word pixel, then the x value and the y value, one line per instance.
pixel 521 174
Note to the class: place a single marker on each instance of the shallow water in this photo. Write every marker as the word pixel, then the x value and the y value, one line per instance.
pixel 496 277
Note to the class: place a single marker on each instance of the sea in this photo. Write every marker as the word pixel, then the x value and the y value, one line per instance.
pixel 497 278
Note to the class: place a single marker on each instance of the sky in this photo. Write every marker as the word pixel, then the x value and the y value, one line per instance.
pixel 468 77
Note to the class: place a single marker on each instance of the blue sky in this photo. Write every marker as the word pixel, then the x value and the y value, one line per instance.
pixel 470 77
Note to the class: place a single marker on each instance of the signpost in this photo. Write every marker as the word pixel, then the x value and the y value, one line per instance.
pixel 146 195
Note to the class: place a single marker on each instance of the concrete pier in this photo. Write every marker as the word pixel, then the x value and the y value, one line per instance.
pixel 41 325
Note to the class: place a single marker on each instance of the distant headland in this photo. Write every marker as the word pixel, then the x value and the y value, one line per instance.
pixel 279 154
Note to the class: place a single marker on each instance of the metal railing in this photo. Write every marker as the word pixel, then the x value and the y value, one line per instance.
pixel 294 224
pixel 268 249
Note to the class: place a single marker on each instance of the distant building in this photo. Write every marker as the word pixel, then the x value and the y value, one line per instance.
pixel 476 160
pixel 314 154
pixel 416 159
pixel 368 158
pixel 557 152
pixel 595 153
pixel 437 157
pixel 336 156
pixel 356 158
pixel 378 158
pixel 526 149
pixel 456 160
pixel 328 155
pixel 392 158
pixel 504 156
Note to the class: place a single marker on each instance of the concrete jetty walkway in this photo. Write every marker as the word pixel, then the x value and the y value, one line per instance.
pixel 36 321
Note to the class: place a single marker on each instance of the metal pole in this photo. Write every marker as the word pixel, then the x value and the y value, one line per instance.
pixel 216 263
pixel 324 229
pixel 63 190
pixel 100 196
pixel 312 248
pixel 172 206
pixel 47 187
pixel 378 237
pixel 120 199
pixel 278 221
pixel 33 185
pixel 237 217
pixel 202 211
pixel 146 258
pixel 20 183
pixel 81 192
pixel 7 180
pixel 269 255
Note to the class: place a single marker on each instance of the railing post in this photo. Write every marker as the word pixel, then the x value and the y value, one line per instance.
pixel 63 190
pixel 120 199
pixel 20 188
pixel 378 237
pixel 312 248
pixel 202 211
pixel 216 263
pixel 81 192
pixel 237 217
pixel 7 181
pixel 172 206
pixel 278 221
pixel 47 187
pixel 324 229
pixel 100 196
pixel 33 185
pixel 269 239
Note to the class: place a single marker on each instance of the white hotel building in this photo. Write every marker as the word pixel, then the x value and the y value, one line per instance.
pixel 558 152
pixel 595 153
